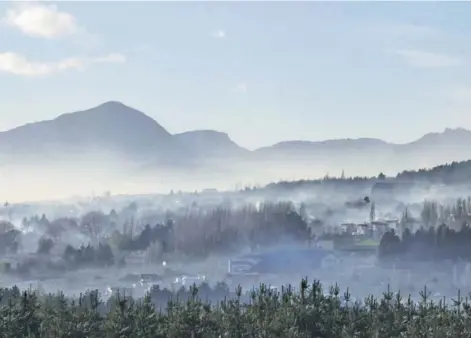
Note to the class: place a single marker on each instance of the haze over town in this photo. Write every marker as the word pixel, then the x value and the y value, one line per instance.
pixel 149 146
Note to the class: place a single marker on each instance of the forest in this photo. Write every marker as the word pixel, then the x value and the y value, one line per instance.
pixel 447 174
pixel 306 312
pixel 450 173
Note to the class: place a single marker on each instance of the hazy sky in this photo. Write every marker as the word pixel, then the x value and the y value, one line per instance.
pixel 262 72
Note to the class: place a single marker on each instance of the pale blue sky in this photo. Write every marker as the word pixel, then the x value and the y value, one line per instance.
pixel 262 72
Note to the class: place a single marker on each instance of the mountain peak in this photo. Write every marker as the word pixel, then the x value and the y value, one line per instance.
pixel 111 114
pixel 110 127
pixel 113 104
pixel 448 133
pixel 455 130
pixel 205 134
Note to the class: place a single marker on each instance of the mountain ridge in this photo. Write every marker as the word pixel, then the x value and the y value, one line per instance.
pixel 118 106
pixel 115 127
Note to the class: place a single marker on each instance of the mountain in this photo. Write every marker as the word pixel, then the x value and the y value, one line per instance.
pixel 437 148
pixel 125 133
pixel 370 155
pixel 110 128
pixel 451 139
pixel 329 147
pixel 210 143
pixel 456 141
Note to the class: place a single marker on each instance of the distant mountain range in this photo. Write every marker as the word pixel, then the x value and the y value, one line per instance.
pixel 124 132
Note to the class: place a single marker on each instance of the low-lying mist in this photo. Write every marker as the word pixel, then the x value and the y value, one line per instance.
pixel 113 239
pixel 63 175
pixel 106 222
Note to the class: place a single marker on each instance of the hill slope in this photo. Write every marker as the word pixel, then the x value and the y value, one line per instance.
pixel 210 143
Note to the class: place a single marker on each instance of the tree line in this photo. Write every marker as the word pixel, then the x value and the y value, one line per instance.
pixel 194 233
pixel 306 312
pixel 447 174
pixel 444 233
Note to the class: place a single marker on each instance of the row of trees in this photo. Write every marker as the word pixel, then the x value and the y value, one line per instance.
pixel 444 233
pixel 428 244
pixel 455 215
pixel 195 233
pixel 450 173
pixel 267 313
pixel 201 232
pixel 100 256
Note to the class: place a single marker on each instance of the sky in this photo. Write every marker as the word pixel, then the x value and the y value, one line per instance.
pixel 261 72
